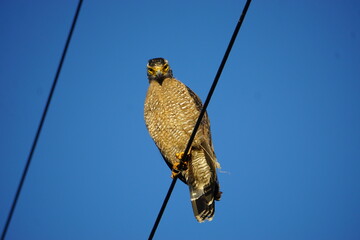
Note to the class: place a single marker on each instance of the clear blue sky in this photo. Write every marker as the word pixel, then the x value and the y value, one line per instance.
pixel 285 118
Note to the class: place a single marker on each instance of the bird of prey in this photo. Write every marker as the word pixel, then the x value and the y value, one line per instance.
pixel 171 111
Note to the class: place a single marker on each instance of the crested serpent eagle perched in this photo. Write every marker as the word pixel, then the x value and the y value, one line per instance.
pixel 171 111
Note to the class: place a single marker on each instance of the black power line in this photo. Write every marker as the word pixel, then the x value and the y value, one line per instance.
pixel 203 110
pixel 23 176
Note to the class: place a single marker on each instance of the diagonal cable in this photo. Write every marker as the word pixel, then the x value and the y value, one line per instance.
pixel 203 110
pixel 25 171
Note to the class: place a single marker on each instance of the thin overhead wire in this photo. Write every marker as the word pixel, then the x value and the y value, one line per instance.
pixel 203 110
pixel 25 171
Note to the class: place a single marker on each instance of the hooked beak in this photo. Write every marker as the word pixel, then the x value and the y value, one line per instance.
pixel 159 74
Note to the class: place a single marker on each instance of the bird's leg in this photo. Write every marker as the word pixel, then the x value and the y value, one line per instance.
pixel 181 165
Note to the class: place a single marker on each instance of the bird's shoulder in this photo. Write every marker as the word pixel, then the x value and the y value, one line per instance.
pixel 177 83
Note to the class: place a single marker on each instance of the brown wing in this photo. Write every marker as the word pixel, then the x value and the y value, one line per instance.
pixel 205 122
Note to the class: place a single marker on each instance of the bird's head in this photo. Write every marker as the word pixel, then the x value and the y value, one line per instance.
pixel 158 69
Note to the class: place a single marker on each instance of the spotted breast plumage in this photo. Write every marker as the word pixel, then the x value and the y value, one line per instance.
pixel 171 111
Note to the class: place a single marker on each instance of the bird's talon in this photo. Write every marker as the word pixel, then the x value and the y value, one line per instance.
pixel 179 155
pixel 174 173
pixel 178 167
pixel 175 170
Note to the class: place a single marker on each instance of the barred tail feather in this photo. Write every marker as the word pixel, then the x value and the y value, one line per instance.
pixel 203 184
pixel 203 204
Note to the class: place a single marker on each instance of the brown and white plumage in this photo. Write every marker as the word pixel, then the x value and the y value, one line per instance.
pixel 171 111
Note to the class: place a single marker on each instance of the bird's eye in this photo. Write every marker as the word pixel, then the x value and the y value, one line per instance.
pixel 166 68
pixel 151 71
